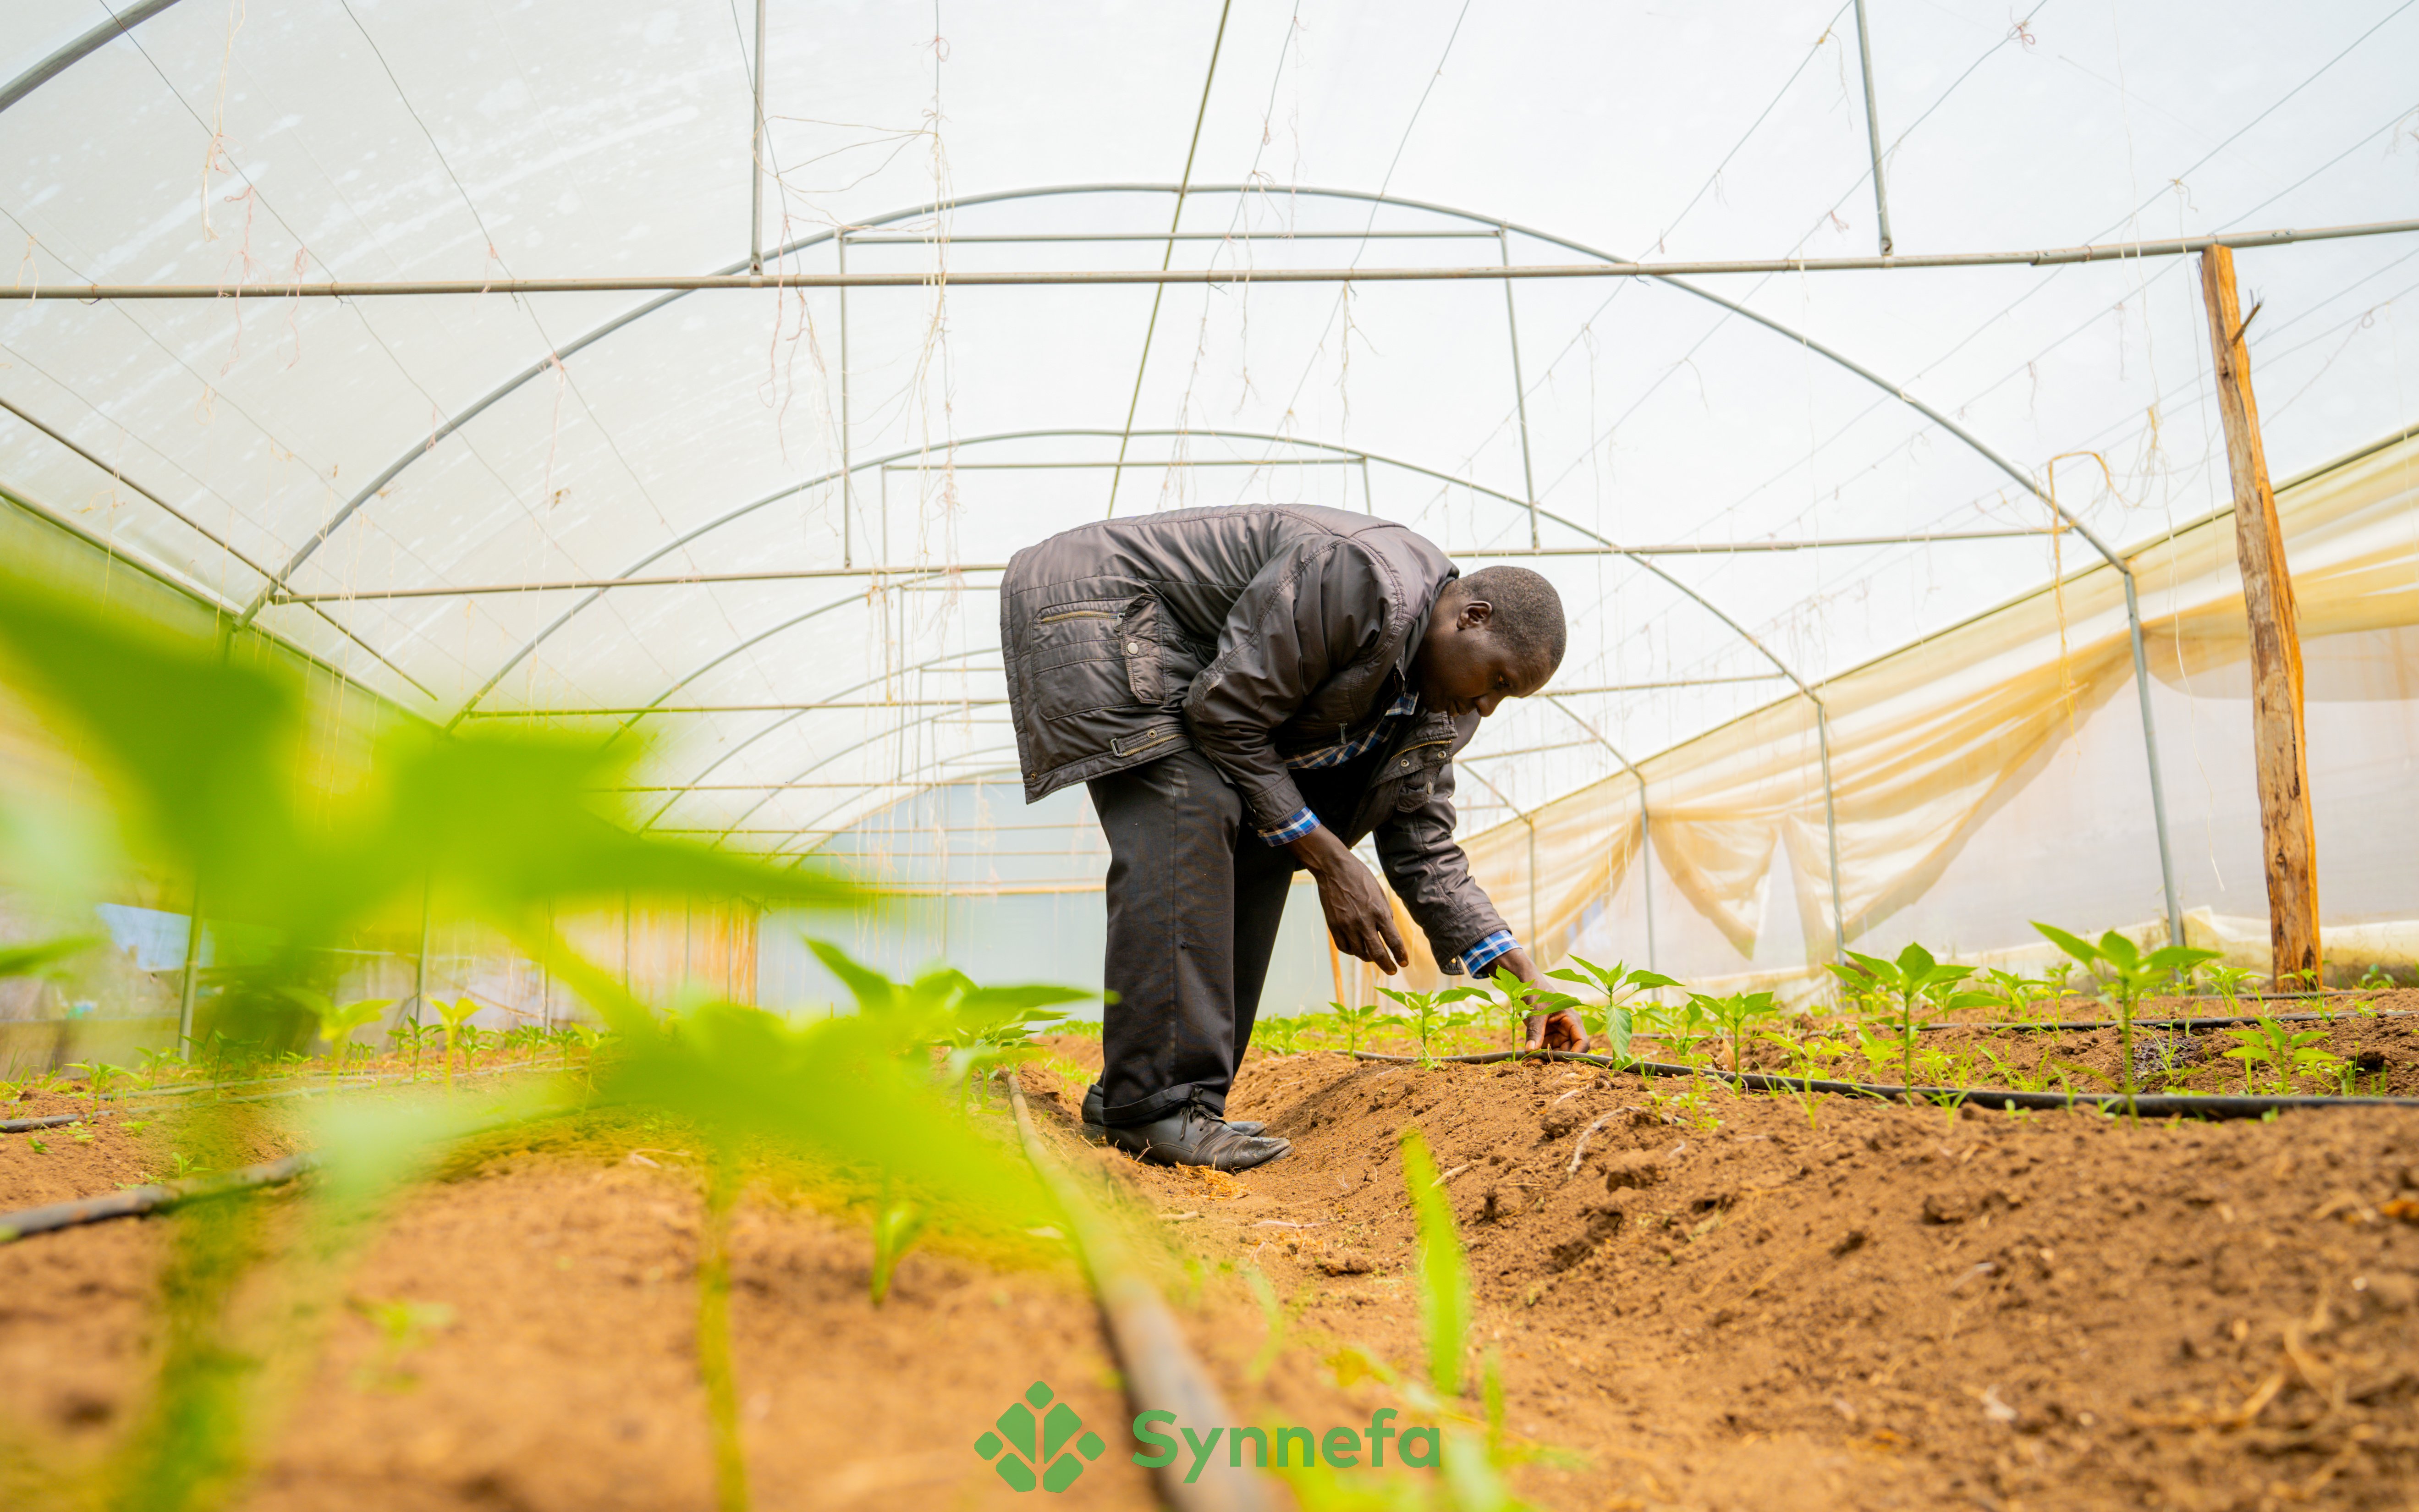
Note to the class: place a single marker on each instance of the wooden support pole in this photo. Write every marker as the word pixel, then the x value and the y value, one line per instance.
pixel 2279 743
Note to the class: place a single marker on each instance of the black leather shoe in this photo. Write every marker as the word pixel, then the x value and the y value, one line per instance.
pixel 1096 1130
pixel 1193 1135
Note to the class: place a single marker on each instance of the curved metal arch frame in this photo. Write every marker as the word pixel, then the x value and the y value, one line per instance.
pixel 799 857
pixel 752 642
pixel 1822 718
pixel 1503 226
pixel 788 718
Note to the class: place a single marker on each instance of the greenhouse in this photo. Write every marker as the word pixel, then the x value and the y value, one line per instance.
pixel 687 691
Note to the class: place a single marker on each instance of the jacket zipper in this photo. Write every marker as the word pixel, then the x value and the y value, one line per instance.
pixel 1158 738
pixel 1074 614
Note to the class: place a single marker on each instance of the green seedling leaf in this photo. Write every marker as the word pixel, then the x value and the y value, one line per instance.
pixel 1444 1282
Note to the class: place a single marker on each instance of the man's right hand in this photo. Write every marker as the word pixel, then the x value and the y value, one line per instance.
pixel 1358 917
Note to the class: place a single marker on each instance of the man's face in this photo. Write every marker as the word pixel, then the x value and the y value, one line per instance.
pixel 1462 669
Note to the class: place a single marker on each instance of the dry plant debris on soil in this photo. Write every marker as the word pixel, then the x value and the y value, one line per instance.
pixel 1731 1302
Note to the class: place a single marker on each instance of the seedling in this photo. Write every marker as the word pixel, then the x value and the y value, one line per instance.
pixel 1621 985
pixel 2284 1051
pixel 1683 1028
pixel 1353 1024
pixel 1733 1014
pixel 2010 989
pixel 1916 983
pixel 455 1016
pixel 2230 982
pixel 37 1146
pixel 98 1074
pixel 895 1229
pixel 1426 1023
pixel 2131 977
pixel 1279 1036
pixel 403 1326
pixel 1444 1285
pixel 337 1027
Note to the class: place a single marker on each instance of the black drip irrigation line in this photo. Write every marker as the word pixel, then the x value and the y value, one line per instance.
pixel 53 1121
pixel 1160 1370
pixel 56 1120
pixel 2056 1025
pixel 135 1201
pixel 2142 1105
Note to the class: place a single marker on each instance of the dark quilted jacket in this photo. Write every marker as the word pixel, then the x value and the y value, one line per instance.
pixel 1250 633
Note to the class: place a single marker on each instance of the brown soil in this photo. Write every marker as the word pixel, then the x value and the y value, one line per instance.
pixel 561 1372
pixel 1882 1307
pixel 1731 1303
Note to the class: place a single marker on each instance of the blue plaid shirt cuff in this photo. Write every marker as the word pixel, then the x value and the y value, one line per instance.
pixel 1476 960
pixel 1298 823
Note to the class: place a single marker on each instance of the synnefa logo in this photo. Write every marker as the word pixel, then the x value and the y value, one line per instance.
pixel 1026 1450
pixel 1029 1451
pixel 1294 1447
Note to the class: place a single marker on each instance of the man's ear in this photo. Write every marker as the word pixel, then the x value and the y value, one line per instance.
pixel 1476 615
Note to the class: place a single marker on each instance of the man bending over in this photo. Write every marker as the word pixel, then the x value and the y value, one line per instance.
pixel 1249 691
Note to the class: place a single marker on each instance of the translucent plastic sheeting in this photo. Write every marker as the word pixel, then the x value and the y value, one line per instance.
pixel 368 446
pixel 1993 773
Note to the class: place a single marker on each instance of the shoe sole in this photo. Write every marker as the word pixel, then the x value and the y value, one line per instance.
pixel 1163 1155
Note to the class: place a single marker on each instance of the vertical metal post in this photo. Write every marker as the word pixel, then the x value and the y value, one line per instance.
pixel 1532 883
pixel 1368 500
pixel 185 987
pixel 420 973
pixel 847 474
pixel 1646 867
pixel 756 156
pixel 1873 127
pixel 1519 389
pixel 2150 751
pixel 1830 828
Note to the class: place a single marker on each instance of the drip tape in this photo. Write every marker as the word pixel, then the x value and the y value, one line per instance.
pixel 1160 1371
pixel 135 1201
pixel 2059 1026
pixel 2144 1104
pixel 310 1090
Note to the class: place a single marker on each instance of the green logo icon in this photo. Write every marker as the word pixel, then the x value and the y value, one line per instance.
pixel 1027 1450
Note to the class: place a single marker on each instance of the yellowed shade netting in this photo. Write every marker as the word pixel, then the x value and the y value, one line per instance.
pixel 1930 742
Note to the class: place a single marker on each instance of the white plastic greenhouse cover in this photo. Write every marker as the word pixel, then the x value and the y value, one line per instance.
pixel 295 458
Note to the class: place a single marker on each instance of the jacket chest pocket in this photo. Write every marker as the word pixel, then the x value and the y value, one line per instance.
pixel 1094 654
pixel 1414 772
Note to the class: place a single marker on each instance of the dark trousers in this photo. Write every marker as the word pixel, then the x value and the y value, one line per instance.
pixel 1195 898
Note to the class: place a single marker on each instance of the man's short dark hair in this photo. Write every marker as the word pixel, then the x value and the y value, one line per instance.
pixel 1528 615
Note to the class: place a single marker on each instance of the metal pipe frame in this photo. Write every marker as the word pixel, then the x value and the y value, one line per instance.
pixel 756 152
pixel 1161 462
pixel 1110 277
pixel 122 21
pixel 736 708
pixel 750 643
pixel 786 719
pixel 1174 222
pixel 1736 628
pixel 1667 272
pixel 1039 238
pixel 813 826
pixel 221 606
pixel 1873 125
pixel 1519 390
pixel 696 580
